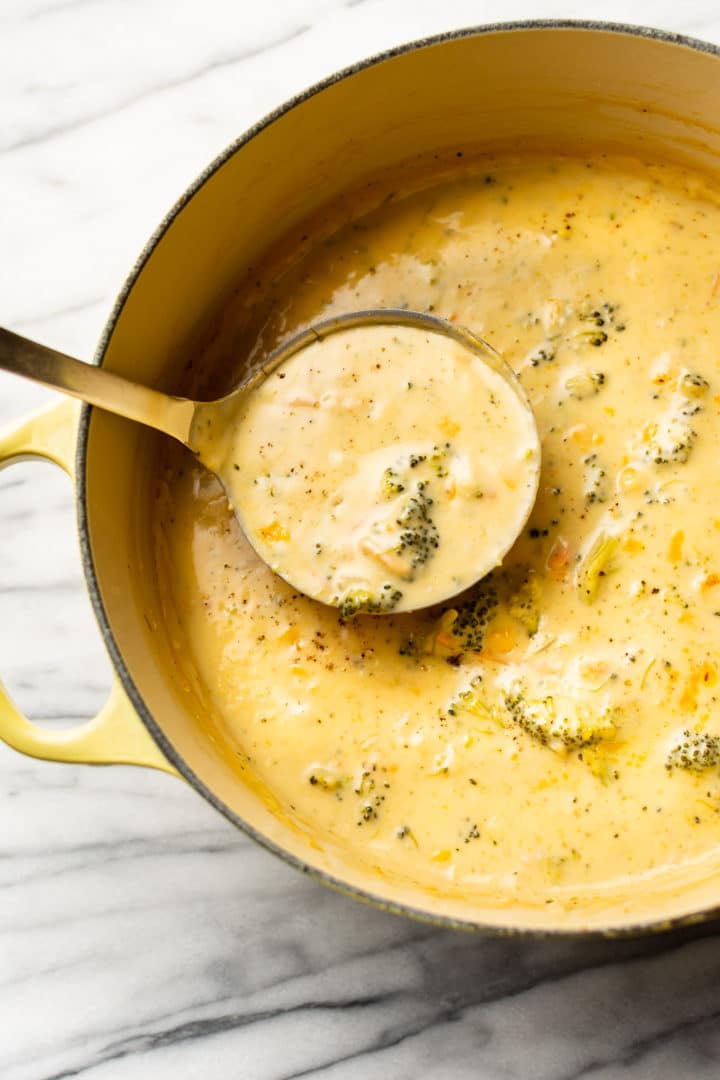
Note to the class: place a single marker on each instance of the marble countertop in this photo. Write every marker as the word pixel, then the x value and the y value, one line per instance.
pixel 140 935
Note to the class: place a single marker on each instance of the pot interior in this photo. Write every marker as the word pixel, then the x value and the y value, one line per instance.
pixel 571 87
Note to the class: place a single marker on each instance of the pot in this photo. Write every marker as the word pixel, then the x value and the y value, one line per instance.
pixel 543 83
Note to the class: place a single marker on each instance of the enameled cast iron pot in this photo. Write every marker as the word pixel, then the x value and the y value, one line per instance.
pixel 582 84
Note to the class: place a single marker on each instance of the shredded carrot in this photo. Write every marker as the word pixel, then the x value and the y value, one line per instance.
pixel 274 532
pixel 703 674
pixel 492 657
pixel 708 674
pixel 559 556
pixel 501 640
pixel 710 582
pixel 688 698
pixel 676 546
pixel 632 545
pixel 448 427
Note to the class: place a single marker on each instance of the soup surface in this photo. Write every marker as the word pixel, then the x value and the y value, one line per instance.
pixel 552 735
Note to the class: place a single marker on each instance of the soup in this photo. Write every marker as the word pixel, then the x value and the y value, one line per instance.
pixel 551 736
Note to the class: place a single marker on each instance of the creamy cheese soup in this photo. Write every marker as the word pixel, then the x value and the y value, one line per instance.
pixel 384 468
pixel 551 735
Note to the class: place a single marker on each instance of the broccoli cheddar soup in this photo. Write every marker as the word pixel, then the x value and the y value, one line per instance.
pixel 552 735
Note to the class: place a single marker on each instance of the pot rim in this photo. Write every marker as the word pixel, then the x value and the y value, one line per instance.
pixel 395 907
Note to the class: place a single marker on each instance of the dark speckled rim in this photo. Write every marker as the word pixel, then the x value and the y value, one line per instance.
pixel 104 621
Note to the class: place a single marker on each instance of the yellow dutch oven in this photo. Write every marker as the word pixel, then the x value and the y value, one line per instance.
pixel 532 83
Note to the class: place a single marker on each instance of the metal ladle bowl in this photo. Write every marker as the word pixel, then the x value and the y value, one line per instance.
pixel 184 419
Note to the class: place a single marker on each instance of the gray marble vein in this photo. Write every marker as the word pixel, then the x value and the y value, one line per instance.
pixel 140 935
pixel 182 79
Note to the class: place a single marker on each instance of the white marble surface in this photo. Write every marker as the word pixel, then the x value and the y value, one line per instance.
pixel 140 935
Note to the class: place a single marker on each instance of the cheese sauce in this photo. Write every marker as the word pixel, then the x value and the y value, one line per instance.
pixel 385 468
pixel 552 734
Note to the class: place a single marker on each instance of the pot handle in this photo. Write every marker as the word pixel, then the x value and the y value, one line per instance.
pixel 116 734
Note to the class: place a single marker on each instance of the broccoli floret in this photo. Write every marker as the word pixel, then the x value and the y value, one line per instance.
pixel 473 615
pixel 438 459
pixel 561 728
pixel 544 354
pixel 470 700
pixel 603 317
pixel 392 485
pixel 594 565
pixel 576 329
pixel 565 728
pixel 673 436
pixel 584 384
pixel 461 629
pixel 419 536
pixel 404 536
pixel 694 751
pixel 359 601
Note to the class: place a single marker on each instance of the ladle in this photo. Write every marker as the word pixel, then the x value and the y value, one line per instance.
pixel 394 539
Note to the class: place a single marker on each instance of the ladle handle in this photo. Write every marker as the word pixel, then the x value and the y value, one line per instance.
pixel 21 356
